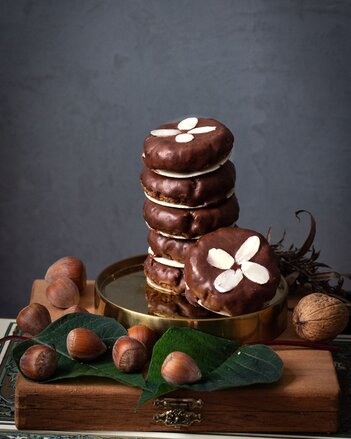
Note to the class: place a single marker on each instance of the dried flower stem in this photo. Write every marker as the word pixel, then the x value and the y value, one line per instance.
pixel 14 338
pixel 301 270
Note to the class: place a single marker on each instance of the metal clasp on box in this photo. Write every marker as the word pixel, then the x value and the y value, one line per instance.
pixel 179 411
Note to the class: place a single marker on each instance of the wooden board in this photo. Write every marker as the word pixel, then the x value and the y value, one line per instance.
pixel 304 400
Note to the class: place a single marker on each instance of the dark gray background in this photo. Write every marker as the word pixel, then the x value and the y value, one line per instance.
pixel 82 83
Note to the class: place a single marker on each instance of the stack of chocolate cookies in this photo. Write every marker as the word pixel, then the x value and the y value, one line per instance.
pixel 189 183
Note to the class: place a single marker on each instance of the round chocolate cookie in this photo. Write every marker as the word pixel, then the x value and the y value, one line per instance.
pixel 190 223
pixel 191 145
pixel 231 271
pixel 163 277
pixel 201 191
pixel 170 248
pixel 170 305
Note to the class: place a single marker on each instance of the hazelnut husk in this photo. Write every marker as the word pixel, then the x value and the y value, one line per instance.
pixel 68 266
pixel 319 317
pixel 33 319
pixel 179 368
pixel 144 334
pixel 129 354
pixel 39 362
pixel 63 293
pixel 84 345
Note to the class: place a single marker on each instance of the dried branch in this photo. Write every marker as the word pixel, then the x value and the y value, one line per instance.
pixel 300 266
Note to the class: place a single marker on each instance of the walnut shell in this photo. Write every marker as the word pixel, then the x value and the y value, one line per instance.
pixel 319 317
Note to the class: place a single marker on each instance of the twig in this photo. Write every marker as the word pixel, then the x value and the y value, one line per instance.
pixel 303 263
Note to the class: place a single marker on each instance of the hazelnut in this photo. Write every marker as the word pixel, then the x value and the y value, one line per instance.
pixel 63 293
pixel 319 317
pixel 68 266
pixel 33 319
pixel 75 308
pixel 179 368
pixel 39 362
pixel 144 334
pixel 84 345
pixel 129 354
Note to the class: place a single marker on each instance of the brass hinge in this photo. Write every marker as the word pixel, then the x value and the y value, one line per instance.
pixel 179 411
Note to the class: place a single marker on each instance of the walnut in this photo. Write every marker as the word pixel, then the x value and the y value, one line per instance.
pixel 319 317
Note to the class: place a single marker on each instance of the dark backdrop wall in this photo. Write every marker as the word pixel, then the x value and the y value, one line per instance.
pixel 83 82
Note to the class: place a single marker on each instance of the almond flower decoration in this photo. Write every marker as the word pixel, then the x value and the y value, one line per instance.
pixel 187 125
pixel 230 278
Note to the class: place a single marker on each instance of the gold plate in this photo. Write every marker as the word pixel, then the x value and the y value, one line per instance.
pixel 120 293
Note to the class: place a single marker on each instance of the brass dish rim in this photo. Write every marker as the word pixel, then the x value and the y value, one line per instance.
pixel 105 274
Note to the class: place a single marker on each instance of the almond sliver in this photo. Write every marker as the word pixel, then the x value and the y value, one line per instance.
pixel 220 258
pixel 188 123
pixel 164 132
pixel 227 280
pixel 184 138
pixel 248 249
pixel 201 130
pixel 255 272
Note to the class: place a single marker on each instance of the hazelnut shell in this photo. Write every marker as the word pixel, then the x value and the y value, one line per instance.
pixel 84 345
pixel 63 293
pixel 39 362
pixel 68 266
pixel 179 368
pixel 129 354
pixel 33 319
pixel 145 335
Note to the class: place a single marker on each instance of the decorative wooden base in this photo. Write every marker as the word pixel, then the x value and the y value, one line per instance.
pixel 304 400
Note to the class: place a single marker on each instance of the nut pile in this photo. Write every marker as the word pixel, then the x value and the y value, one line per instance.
pixel 130 353
pixel 67 279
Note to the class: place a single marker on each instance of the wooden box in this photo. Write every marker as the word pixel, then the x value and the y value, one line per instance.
pixel 304 400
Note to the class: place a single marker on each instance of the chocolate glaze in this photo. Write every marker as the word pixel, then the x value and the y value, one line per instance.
pixel 167 277
pixel 170 305
pixel 170 248
pixel 191 223
pixel 200 153
pixel 203 190
pixel 247 296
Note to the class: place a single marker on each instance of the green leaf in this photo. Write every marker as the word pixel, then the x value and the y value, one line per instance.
pixel 253 364
pixel 55 335
pixel 208 351
pixel 222 363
